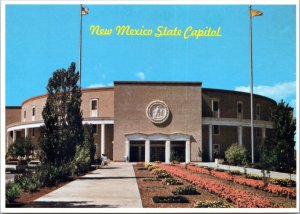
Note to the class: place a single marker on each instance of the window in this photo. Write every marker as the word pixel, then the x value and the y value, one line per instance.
pixel 25 114
pixel 94 108
pixel 94 129
pixel 239 107
pixel 216 130
pixel 258 132
pixel 257 110
pixel 94 104
pixel 32 133
pixel 215 105
pixel 33 111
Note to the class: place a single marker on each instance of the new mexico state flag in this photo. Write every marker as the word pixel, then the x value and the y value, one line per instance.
pixel 255 13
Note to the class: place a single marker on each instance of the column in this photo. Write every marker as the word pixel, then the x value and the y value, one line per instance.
pixel 7 140
pixel 127 149
pixel 14 135
pixel 240 133
pixel 187 151
pixel 263 134
pixel 102 139
pixel 147 151
pixel 210 143
pixel 167 151
pixel 26 132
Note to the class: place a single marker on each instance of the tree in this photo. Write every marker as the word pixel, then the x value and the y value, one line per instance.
pixel 84 153
pixel 281 142
pixel 89 141
pixel 21 148
pixel 63 129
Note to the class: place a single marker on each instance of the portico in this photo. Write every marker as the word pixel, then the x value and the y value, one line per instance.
pixel 158 147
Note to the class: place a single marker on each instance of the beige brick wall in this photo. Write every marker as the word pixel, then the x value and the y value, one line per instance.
pixel 228 103
pixel 131 101
pixel 12 114
pixel 105 98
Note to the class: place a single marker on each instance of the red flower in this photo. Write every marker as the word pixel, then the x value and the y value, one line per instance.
pixel 239 197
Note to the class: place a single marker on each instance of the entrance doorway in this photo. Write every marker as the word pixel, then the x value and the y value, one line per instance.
pixel 157 151
pixel 178 151
pixel 137 151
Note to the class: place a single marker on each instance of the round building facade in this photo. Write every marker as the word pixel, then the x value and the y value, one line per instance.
pixel 157 121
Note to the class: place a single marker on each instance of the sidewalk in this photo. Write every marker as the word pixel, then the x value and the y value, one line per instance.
pixel 109 187
pixel 249 170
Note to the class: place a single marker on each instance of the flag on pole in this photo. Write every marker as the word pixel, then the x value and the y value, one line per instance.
pixel 84 11
pixel 256 13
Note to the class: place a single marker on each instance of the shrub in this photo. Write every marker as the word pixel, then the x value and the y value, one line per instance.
pixel 12 191
pixel 148 164
pixel 158 171
pixel 28 182
pixel 236 154
pixel 219 170
pixel 142 168
pixel 24 181
pixel 82 160
pixel 255 177
pixel 186 190
pixel 164 175
pixel 50 175
pixel 234 172
pixel 283 182
pixel 172 181
pixel 169 199
pixel 211 204
pixel 151 167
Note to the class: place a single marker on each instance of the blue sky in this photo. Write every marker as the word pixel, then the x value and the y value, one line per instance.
pixel 43 38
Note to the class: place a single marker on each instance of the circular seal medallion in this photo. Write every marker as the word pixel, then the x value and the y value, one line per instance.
pixel 157 111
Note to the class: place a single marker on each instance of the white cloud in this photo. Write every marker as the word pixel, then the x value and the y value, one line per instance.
pixel 140 75
pixel 97 85
pixel 277 91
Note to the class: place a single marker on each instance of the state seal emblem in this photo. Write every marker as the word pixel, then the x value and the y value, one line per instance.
pixel 157 111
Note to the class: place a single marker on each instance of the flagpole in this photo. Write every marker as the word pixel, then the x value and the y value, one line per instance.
pixel 80 46
pixel 251 87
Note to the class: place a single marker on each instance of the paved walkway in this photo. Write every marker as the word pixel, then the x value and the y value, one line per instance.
pixel 249 170
pixel 110 187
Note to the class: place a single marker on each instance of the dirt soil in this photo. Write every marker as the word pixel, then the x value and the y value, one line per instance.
pixel 149 189
pixel 27 197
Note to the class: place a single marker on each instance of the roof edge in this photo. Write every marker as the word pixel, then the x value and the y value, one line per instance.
pixel 157 83
pixel 82 90
pixel 237 92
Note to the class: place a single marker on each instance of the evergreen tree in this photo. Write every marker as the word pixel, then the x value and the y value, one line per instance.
pixel 89 141
pixel 63 129
pixel 84 153
pixel 278 150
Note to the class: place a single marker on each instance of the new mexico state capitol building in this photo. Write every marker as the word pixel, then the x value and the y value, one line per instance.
pixel 150 121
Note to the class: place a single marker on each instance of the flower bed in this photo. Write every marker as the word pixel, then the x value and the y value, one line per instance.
pixel 243 199
pixel 169 199
pixel 171 181
pixel 186 190
pixel 258 184
pixel 211 204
